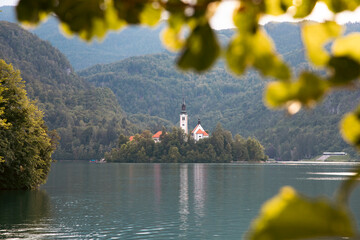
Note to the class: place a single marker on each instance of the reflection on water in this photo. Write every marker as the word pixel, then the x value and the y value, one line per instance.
pixel 184 199
pixel 157 201
pixel 15 206
pixel 24 214
pixel 199 189
pixel 328 176
pixel 157 183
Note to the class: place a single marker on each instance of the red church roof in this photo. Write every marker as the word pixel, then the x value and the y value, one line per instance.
pixel 157 135
pixel 195 128
pixel 202 132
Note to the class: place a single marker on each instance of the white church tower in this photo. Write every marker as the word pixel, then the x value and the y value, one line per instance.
pixel 184 118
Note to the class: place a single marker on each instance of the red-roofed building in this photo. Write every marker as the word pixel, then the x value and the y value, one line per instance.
pixel 131 138
pixel 198 132
pixel 156 136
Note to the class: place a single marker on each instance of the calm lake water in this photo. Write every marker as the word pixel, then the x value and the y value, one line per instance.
pixel 157 201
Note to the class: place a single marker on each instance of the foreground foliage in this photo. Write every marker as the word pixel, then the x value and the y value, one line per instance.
pixel 250 47
pixel 25 144
pixel 176 147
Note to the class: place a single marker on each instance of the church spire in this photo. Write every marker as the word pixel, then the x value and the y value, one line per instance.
pixel 183 107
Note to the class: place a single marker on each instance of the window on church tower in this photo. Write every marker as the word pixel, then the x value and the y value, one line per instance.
pixel 183 118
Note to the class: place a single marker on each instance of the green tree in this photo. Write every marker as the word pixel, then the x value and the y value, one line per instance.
pixel 255 150
pixel 25 147
pixel 122 140
pixel 239 149
pixel 174 155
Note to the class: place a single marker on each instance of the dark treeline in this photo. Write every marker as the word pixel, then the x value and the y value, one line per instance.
pixel 176 147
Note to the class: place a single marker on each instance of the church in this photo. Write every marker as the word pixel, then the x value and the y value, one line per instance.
pixel 198 132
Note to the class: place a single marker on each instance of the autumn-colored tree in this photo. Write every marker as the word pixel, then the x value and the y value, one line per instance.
pixel 25 145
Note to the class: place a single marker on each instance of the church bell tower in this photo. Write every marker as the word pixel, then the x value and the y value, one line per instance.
pixel 184 118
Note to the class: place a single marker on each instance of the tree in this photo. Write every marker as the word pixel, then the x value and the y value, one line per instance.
pixel 250 47
pixel 122 140
pixel 174 155
pixel 25 147
pixel 239 149
pixel 255 150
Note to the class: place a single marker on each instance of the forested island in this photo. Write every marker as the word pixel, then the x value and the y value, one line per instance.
pixel 177 147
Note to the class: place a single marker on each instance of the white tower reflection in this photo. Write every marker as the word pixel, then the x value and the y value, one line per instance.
pixel 199 189
pixel 184 198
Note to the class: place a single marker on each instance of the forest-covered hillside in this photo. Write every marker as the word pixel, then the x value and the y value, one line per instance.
pixel 88 119
pixel 151 85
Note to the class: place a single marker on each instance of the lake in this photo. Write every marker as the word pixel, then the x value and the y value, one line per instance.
pixel 157 201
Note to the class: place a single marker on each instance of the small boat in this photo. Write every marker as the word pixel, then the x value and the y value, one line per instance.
pixel 98 161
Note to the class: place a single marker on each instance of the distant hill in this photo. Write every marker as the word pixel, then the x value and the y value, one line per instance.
pixel 132 41
pixel 88 119
pixel 151 85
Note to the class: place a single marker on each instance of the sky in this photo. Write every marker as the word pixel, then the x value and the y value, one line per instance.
pixel 8 2
pixel 223 17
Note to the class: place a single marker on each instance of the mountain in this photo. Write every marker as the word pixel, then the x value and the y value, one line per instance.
pixel 151 85
pixel 88 119
pixel 131 41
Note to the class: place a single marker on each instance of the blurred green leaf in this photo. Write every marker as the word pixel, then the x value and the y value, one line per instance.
pixel 246 17
pixel 266 60
pixel 277 94
pixel 90 18
pixel 350 128
pixel 292 216
pixel 274 7
pixel 315 35
pixel 171 37
pixel 345 69
pixel 150 15
pixel 347 46
pixel 255 50
pixel 39 10
pixel 201 49
pixel 130 11
pixel 342 5
pixel 304 8
pixel 238 54
pixel 309 89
